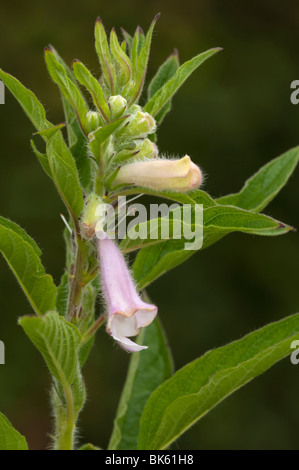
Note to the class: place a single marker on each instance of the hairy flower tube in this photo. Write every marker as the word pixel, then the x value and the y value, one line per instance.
pixel 127 312
pixel 161 174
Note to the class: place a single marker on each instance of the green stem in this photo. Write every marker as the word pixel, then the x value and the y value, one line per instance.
pixel 65 421
pixel 93 329
pixel 76 284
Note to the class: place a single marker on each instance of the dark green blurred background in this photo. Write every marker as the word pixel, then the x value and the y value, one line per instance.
pixel 232 116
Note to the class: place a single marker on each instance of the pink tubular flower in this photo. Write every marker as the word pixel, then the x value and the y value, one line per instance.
pixel 175 175
pixel 127 313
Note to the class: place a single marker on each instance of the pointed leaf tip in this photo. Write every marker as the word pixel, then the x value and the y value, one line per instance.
pixel 140 30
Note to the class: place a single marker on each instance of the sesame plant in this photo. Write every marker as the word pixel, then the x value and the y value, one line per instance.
pixel 107 149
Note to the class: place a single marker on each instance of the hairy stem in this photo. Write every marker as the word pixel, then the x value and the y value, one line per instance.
pixel 65 422
pixel 76 283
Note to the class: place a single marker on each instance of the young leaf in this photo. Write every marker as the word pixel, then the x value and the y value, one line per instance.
pixel 67 87
pixel 23 257
pixel 30 104
pixel 121 58
pixel 146 372
pixel 199 386
pixel 164 94
pixel 86 79
pixel 262 187
pixel 104 55
pixel 10 438
pixel 76 137
pixel 142 61
pixel 65 173
pixel 137 45
pixel 128 38
pixel 79 150
pixel 58 341
pixel 163 75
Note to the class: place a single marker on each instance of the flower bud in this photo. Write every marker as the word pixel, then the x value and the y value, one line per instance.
pixel 117 105
pixel 148 149
pixel 90 217
pixel 174 175
pixel 94 120
pixel 140 125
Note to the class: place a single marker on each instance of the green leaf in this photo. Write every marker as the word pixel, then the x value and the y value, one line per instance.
pixel 153 261
pixel 42 158
pixel 67 87
pixel 164 94
pixel 201 197
pixel 65 173
pixel 121 59
pixel 28 101
pixel 199 386
pixel 227 219
pixel 79 150
pixel 197 196
pixel 10 438
pixel 262 187
pixel 217 220
pixel 128 38
pixel 86 79
pixel 137 45
pixel 58 341
pixel 100 135
pixel 163 75
pixel 23 257
pixel 147 370
pixel 76 137
pixel 141 61
pixel 75 134
pixel 50 131
pixel 104 55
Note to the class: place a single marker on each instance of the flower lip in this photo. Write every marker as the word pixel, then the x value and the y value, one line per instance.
pixel 121 327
